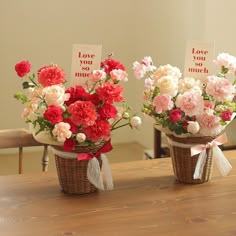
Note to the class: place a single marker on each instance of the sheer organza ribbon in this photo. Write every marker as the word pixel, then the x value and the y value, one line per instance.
pixel 221 161
pixel 218 156
pixel 93 170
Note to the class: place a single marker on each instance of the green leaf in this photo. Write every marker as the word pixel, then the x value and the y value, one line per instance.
pixel 27 85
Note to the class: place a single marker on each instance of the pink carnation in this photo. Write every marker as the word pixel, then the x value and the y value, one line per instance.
pixel 139 70
pixel 209 123
pixel 162 103
pixel 51 75
pixel 100 130
pixel 82 113
pixel 119 75
pixel 110 92
pixel 220 88
pixel 190 103
pixel 62 131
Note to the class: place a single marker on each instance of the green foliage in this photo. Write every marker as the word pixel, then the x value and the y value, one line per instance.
pixel 21 97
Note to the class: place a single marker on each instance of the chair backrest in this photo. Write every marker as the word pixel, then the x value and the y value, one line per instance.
pixel 20 138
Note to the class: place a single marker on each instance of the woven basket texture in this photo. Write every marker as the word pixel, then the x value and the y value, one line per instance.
pixel 184 164
pixel 72 174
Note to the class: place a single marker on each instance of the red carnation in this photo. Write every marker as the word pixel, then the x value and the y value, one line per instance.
pixel 53 114
pixel 110 64
pixel 110 92
pixel 51 75
pixel 82 113
pixel 100 130
pixel 175 115
pixel 22 68
pixel 76 93
pixel 94 98
pixel 69 145
pixel 107 111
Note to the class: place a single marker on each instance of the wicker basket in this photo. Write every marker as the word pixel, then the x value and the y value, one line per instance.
pixel 72 174
pixel 184 164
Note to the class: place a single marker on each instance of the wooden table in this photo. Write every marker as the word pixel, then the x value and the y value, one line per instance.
pixel 146 201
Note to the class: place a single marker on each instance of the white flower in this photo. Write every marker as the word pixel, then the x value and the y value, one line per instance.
pixel 188 84
pixel 62 131
pixel 55 95
pixel 80 137
pixel 193 127
pixel 167 85
pixel 135 121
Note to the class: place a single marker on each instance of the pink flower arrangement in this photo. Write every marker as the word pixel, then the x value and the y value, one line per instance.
pixel 185 106
pixel 74 116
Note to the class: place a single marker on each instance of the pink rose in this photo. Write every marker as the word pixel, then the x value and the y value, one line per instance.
pixel 190 103
pixel 162 103
pixel 22 68
pixel 97 75
pixel 175 115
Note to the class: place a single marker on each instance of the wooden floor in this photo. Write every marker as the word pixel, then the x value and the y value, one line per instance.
pixel 32 159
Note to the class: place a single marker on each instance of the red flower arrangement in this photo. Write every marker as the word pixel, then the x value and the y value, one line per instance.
pixel 77 115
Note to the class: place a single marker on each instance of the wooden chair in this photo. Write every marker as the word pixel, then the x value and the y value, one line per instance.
pixel 21 138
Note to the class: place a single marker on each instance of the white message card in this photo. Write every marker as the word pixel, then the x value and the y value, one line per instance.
pixel 85 58
pixel 199 59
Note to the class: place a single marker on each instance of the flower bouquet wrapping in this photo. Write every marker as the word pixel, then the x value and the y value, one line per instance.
pixel 192 113
pixel 76 121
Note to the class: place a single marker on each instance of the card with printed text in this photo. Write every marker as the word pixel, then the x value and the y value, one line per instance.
pixel 85 58
pixel 199 59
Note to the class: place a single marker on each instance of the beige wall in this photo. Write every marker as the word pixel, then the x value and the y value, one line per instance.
pixel 44 31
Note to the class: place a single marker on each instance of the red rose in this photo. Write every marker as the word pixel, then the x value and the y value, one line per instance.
pixel 175 115
pixel 53 114
pixel 22 68
pixel 107 111
pixel 226 115
pixel 69 145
